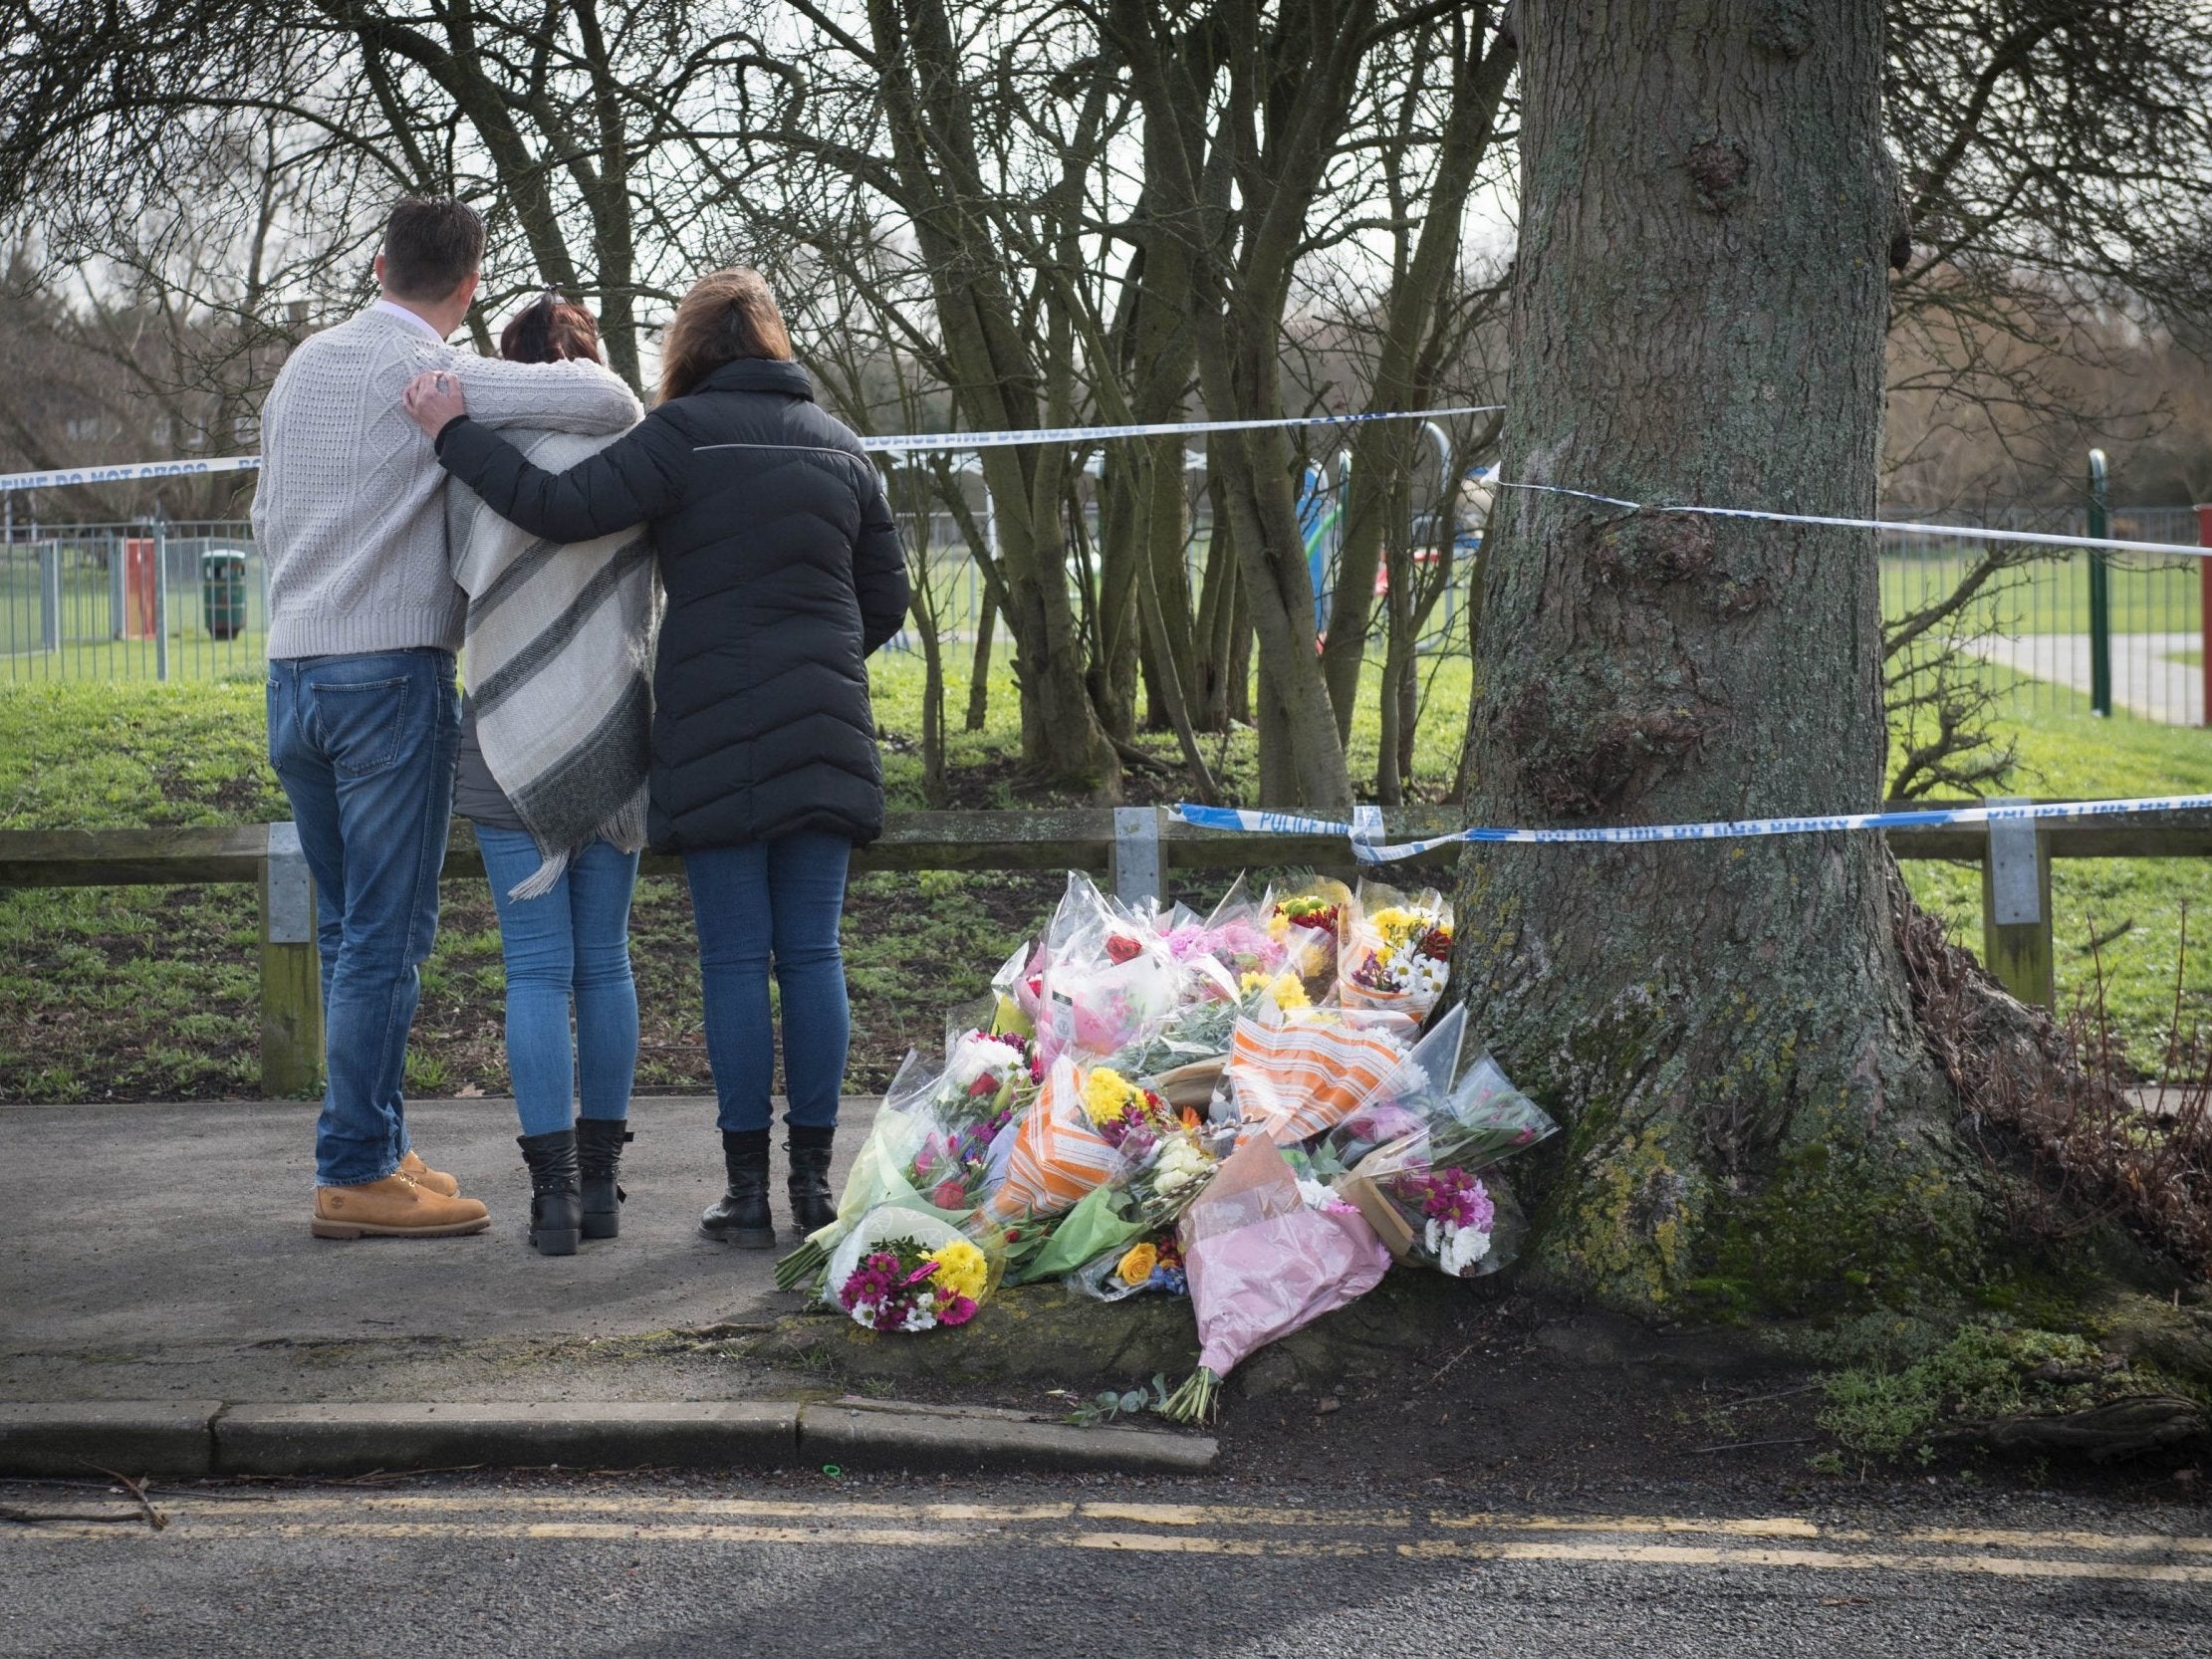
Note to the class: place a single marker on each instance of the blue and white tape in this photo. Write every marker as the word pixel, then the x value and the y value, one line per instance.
pixel 128 473
pixel 1362 831
pixel 883 443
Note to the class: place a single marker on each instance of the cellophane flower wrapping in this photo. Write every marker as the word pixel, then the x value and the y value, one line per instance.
pixel 1150 1263
pixel 883 1173
pixel 1308 921
pixel 1432 1193
pixel 1295 1073
pixel 1413 1094
pixel 1396 950
pixel 962 1111
pixel 902 1270
pixel 1262 1262
pixel 1236 936
pixel 1107 982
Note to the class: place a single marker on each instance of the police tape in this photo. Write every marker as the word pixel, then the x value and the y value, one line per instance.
pixel 128 473
pixel 1366 825
pixel 1963 533
pixel 883 443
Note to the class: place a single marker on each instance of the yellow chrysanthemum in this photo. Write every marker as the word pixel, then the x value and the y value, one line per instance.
pixel 961 1269
pixel 1291 993
pixel 1136 1267
pixel 1106 1094
pixel 1401 923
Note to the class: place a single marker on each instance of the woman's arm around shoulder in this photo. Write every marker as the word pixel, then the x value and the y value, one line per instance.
pixel 639 476
pixel 878 568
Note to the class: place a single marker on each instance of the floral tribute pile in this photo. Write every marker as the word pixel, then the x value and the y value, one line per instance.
pixel 1259 1109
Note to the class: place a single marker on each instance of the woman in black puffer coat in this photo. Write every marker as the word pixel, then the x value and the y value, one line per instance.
pixel 783 572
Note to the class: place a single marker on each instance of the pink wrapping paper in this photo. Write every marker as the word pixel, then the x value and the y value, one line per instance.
pixel 1262 1265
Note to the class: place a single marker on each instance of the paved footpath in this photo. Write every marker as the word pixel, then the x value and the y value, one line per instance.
pixel 163 1252
pixel 1052 1568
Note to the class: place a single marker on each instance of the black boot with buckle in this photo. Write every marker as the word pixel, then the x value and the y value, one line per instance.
pixel 599 1153
pixel 740 1217
pixel 811 1206
pixel 556 1201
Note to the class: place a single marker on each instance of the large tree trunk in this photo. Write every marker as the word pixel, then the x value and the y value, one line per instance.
pixel 1698 317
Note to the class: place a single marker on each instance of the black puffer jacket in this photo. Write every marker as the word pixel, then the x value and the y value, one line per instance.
pixel 783 572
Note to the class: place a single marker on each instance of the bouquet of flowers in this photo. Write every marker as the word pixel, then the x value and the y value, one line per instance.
pixel 902 1271
pixel 1298 1071
pixel 1236 935
pixel 1107 982
pixel 963 1111
pixel 1396 950
pixel 1415 1092
pixel 1151 1264
pixel 1425 1191
pixel 1265 1257
pixel 1307 924
pixel 1058 1153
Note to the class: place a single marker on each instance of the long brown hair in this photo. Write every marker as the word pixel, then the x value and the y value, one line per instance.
pixel 550 330
pixel 727 316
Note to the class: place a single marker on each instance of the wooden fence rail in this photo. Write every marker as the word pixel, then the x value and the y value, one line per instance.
pixel 1135 849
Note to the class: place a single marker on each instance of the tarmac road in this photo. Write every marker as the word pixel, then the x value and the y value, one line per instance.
pixel 1020 1567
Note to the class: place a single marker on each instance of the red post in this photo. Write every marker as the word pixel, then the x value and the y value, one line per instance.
pixel 138 588
pixel 2204 605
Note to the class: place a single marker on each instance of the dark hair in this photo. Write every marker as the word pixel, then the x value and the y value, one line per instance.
pixel 431 245
pixel 550 330
pixel 726 317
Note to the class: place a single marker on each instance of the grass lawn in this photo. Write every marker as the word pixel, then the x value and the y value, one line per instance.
pixel 151 993
pixel 2147 593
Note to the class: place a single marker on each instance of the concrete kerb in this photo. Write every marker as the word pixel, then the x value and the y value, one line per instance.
pixel 187 1440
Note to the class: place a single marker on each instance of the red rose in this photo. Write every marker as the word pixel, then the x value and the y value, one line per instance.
pixel 982 1086
pixel 948 1196
pixel 1122 948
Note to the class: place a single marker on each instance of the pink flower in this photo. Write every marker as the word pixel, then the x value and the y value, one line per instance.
pixel 948 1194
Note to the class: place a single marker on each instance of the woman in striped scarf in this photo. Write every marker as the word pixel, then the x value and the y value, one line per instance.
pixel 553 746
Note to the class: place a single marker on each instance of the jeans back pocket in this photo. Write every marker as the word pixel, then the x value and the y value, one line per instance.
pixel 361 725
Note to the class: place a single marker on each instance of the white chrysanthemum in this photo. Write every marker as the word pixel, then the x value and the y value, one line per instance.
pixel 1456 1249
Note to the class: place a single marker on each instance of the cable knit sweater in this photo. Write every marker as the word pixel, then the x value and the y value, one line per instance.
pixel 349 511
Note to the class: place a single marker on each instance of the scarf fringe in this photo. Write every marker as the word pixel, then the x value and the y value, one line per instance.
pixel 625 830
pixel 545 878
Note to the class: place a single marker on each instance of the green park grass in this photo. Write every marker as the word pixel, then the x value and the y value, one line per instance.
pixel 150 992
pixel 2146 594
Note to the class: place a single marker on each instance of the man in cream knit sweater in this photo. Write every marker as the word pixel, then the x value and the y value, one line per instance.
pixel 363 623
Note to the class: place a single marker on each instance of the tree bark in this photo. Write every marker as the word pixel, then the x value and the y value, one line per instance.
pixel 1698 317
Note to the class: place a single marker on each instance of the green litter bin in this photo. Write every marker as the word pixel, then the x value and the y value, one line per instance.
pixel 223 592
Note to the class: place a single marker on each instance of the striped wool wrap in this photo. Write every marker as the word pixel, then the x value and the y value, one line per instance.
pixel 559 666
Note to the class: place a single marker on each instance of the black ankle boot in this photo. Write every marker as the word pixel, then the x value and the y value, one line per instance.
pixel 598 1154
pixel 741 1216
pixel 556 1199
pixel 811 1208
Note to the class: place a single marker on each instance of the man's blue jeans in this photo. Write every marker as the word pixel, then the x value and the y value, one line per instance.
pixel 571 944
pixel 781 898
pixel 363 746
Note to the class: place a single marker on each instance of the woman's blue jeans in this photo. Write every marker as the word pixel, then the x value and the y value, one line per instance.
pixel 777 900
pixel 567 946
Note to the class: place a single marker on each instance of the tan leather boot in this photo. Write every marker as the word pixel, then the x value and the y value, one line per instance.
pixel 430 1180
pixel 394 1207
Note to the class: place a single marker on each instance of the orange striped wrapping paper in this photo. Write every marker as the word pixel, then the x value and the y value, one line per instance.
pixel 1303 1074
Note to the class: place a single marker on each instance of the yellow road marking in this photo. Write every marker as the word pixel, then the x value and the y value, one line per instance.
pixel 1166 1529
pixel 1778 1527
pixel 1826 1561
pixel 2130 1542
pixel 235 1520
pixel 1232 1514
pixel 1434 1550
